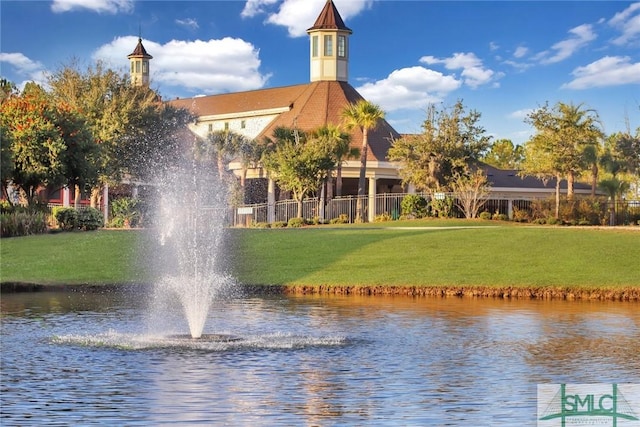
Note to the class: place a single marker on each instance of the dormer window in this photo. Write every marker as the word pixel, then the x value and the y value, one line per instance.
pixel 328 45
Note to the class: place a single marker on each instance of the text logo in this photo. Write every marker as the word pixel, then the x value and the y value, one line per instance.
pixel 616 405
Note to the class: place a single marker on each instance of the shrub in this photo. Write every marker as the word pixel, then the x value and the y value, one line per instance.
pixel 553 221
pixel 67 218
pixel 442 208
pixel 415 206
pixel 500 217
pixel 90 219
pixel 318 221
pixel 542 209
pixel 81 219
pixel 582 209
pixel 520 215
pixel 260 225
pixel 6 206
pixel 383 217
pixel 485 215
pixel 127 211
pixel 279 224
pixel 117 222
pixel 22 223
pixel 342 219
pixel 296 222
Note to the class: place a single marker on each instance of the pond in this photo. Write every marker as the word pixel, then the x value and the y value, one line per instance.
pixel 91 359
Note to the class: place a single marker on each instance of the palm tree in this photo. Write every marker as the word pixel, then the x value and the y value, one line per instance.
pixel 568 129
pixel 614 188
pixel 364 115
pixel 225 143
pixel 340 145
pixel 250 155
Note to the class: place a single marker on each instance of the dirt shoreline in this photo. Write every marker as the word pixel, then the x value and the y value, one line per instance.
pixel 543 292
pixel 566 293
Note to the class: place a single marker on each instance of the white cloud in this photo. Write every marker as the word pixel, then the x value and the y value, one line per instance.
pixel 628 22
pixel 607 71
pixel 520 66
pixel 20 62
pixel 493 46
pixel 520 52
pixel 409 88
pixel 299 15
pixel 520 114
pixel 473 71
pixel 30 70
pixel 190 23
pixel 100 6
pixel 580 37
pixel 211 66
pixel 255 7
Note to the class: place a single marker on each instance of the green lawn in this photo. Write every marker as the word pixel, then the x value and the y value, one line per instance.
pixel 437 253
pixel 502 256
pixel 96 257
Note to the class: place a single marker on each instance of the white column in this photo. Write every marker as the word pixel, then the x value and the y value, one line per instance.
pixel 65 197
pixel 105 203
pixel 411 189
pixel 271 202
pixel 372 199
pixel 510 209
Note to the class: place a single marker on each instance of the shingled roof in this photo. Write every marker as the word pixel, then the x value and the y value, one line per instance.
pixel 309 106
pixel 139 51
pixel 329 19
pixel 510 178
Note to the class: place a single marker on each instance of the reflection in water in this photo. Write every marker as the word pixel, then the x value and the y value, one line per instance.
pixel 87 358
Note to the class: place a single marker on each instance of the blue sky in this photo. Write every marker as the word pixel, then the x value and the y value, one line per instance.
pixel 502 58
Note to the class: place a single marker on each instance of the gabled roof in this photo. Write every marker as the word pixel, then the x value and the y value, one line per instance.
pixel 509 178
pixel 321 103
pixel 329 19
pixel 139 51
pixel 308 106
pixel 241 102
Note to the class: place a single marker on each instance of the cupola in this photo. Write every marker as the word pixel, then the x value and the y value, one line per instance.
pixel 329 46
pixel 139 60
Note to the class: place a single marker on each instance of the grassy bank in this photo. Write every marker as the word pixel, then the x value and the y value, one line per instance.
pixel 431 257
pixel 493 257
pixel 95 257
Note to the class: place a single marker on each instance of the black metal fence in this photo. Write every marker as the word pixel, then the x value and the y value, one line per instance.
pixel 600 211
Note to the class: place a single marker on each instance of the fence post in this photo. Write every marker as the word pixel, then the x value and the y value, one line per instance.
pixel 271 202
pixel 371 198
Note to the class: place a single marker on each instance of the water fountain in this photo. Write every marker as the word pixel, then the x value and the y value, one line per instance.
pixel 189 263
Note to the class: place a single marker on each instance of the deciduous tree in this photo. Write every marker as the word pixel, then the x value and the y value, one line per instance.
pixel 44 143
pixel 472 191
pixel 130 123
pixel 297 164
pixel 503 154
pixel 450 141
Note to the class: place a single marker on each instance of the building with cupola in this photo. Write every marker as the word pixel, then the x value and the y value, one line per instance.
pixel 308 106
pixel 255 114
